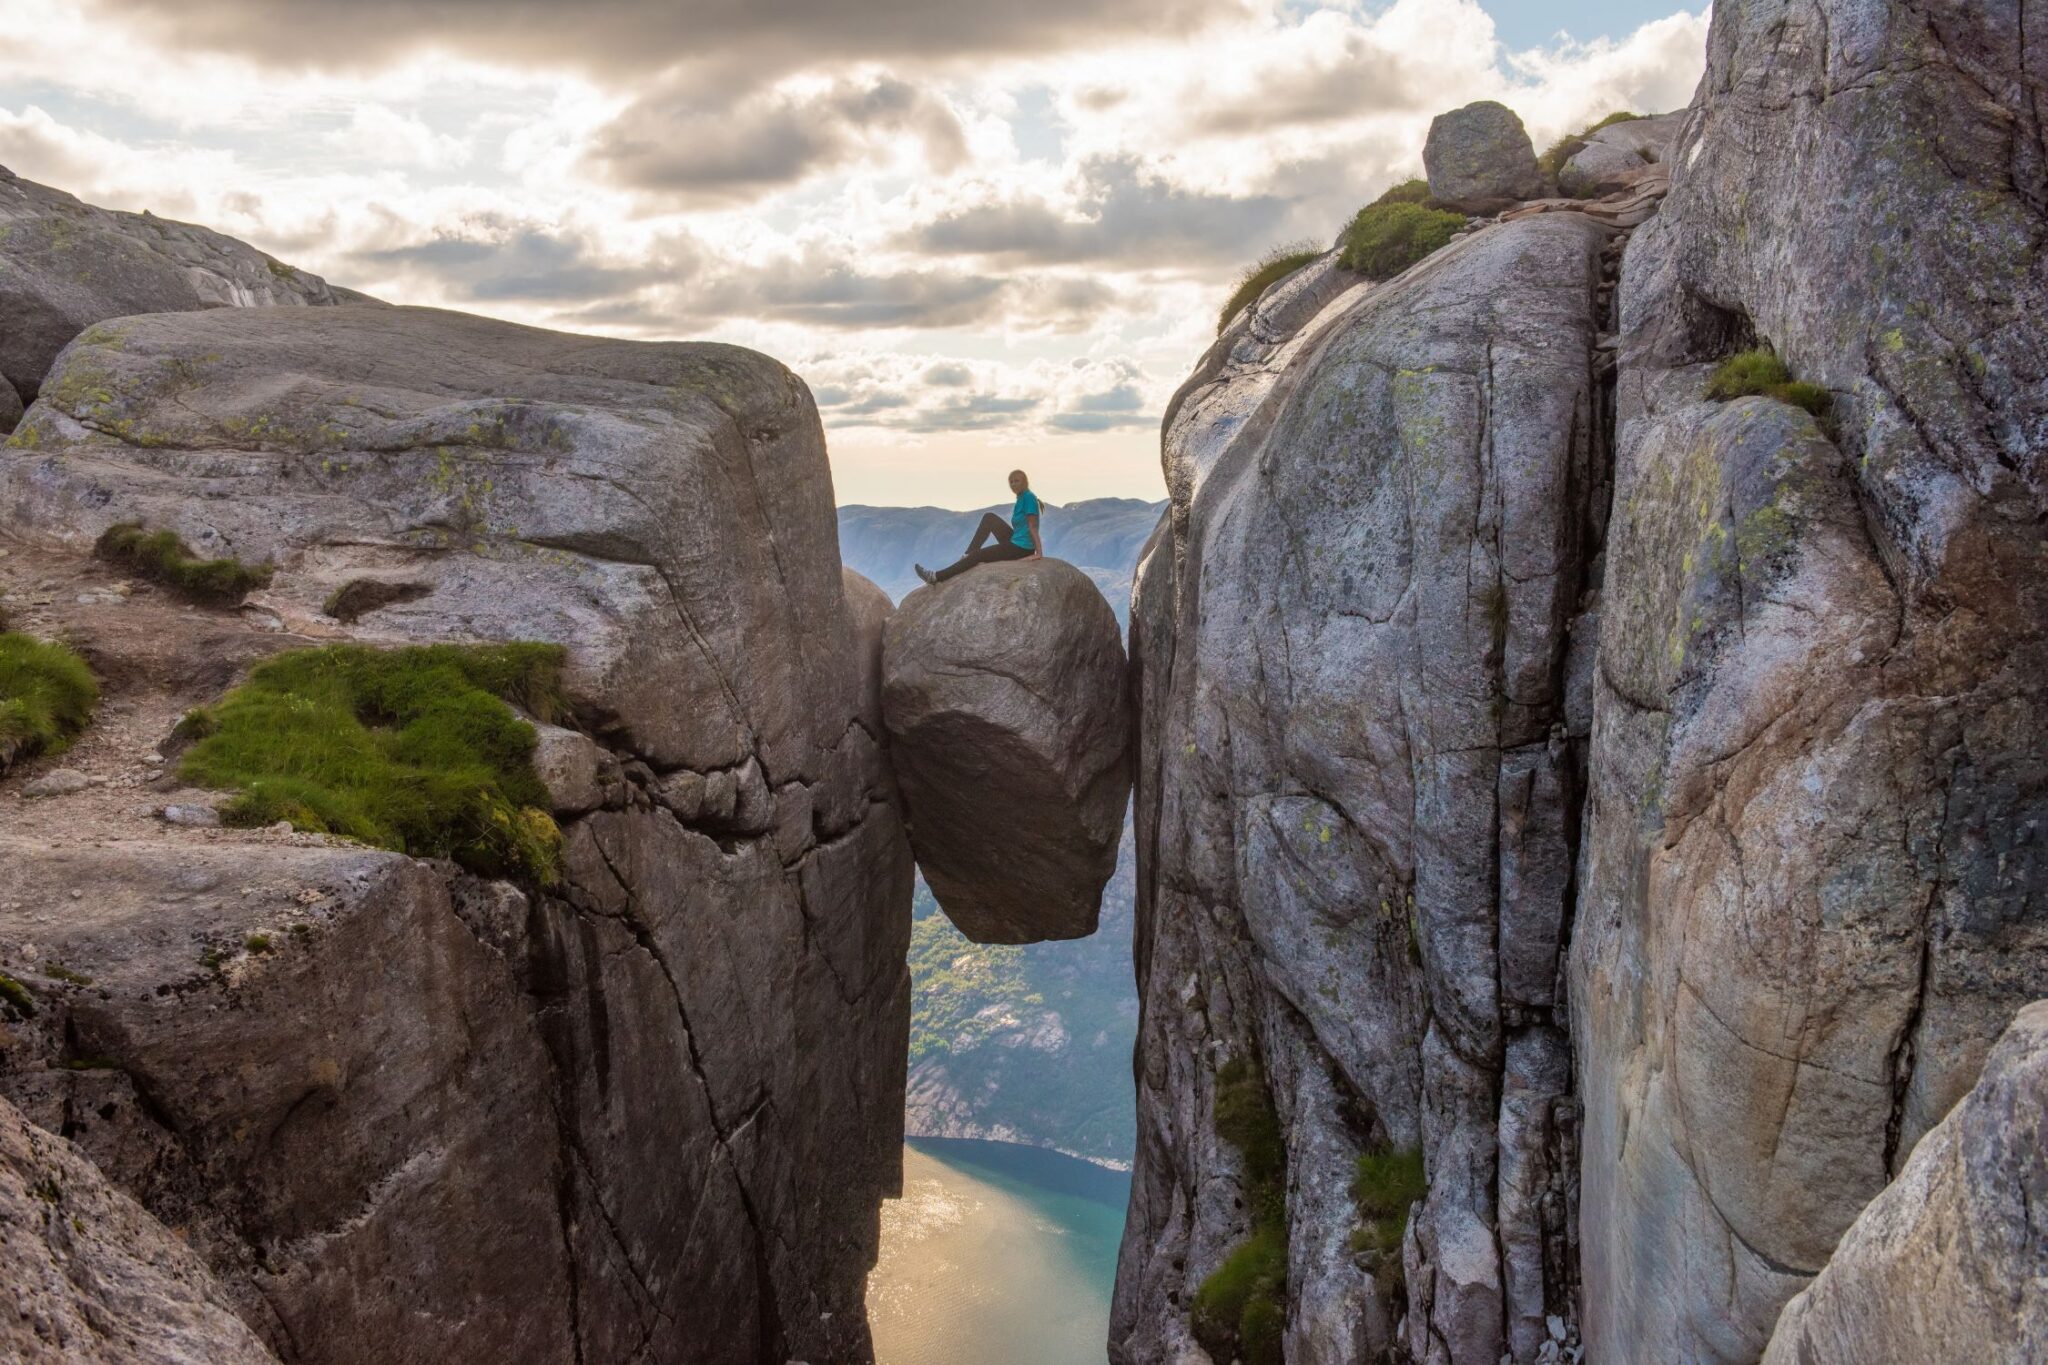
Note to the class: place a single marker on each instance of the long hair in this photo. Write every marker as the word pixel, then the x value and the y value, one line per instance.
pixel 1021 477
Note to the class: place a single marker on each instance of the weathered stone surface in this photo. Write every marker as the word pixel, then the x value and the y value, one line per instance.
pixel 1814 872
pixel 633 500
pixel 65 265
pixel 868 610
pixel 1619 155
pixel 1946 1264
pixel 1004 697
pixel 646 1114
pixel 1355 794
pixel 1479 159
pixel 10 406
pixel 363 1101
pixel 92 1277
pixel 572 768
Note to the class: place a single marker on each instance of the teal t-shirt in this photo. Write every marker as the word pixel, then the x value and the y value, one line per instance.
pixel 1027 506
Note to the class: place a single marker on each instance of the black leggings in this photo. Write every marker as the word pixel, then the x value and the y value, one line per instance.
pixel 991 525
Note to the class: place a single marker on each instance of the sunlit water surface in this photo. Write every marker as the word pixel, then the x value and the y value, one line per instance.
pixel 996 1254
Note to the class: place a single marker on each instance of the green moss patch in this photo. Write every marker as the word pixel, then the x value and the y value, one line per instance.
pixel 1408 192
pixel 47 695
pixel 1241 1308
pixel 408 749
pixel 1760 373
pixel 1268 270
pixel 17 996
pixel 1384 1187
pixel 1390 235
pixel 1245 1118
pixel 1565 148
pixel 161 557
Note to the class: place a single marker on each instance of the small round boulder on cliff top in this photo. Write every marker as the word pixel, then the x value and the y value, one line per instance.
pixel 1480 160
pixel 1004 697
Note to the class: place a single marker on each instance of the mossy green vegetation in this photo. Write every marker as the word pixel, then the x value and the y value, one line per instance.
pixel 1407 192
pixel 47 694
pixel 408 749
pixel 1395 231
pixel 1760 373
pixel 1565 148
pixel 57 971
pixel 1245 1118
pixel 17 996
pixel 1261 275
pixel 1384 1186
pixel 162 557
pixel 1241 1308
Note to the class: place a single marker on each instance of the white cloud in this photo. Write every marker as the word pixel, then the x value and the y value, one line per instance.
pixel 965 239
pixel 384 136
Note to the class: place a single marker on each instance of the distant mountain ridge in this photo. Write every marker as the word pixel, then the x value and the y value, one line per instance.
pixel 1100 536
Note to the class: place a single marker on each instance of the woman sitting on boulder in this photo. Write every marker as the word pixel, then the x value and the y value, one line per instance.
pixel 1016 538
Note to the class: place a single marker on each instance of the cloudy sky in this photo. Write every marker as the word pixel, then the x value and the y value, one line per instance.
pixel 986 233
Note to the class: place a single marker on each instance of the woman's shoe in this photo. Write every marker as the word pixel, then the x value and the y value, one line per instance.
pixel 926 574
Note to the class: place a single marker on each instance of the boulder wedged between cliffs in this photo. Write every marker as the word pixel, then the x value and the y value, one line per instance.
pixel 1004 698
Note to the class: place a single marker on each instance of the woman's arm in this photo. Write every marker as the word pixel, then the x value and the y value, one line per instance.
pixel 1037 545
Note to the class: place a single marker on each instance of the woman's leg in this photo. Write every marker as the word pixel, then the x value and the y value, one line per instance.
pixel 991 526
pixel 992 555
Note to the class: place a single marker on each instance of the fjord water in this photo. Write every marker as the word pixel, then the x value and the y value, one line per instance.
pixel 996 1253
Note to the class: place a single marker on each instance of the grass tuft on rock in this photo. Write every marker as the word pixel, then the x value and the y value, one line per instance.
pixel 47 694
pixel 1240 1310
pixel 1408 192
pixel 1760 373
pixel 409 749
pixel 1569 146
pixel 1245 1118
pixel 161 557
pixel 1263 274
pixel 1392 233
pixel 1384 1186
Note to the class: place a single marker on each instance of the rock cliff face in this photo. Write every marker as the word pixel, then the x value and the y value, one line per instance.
pixel 407 1114
pixel 65 265
pixel 1004 698
pixel 92 1277
pixel 1356 789
pixel 1946 1263
pixel 1813 886
pixel 1628 799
